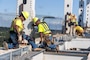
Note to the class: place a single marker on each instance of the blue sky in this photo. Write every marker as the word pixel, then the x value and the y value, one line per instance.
pixel 54 7
pixel 43 7
pixel 50 7
pixel 7 6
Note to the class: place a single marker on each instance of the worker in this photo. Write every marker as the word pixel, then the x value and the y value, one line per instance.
pixel 45 33
pixel 72 22
pixel 79 30
pixel 16 30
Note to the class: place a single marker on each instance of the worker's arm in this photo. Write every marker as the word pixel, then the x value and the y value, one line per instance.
pixel 18 34
pixel 41 37
pixel 16 29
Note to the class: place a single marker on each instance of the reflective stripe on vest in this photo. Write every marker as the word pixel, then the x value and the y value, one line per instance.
pixel 45 26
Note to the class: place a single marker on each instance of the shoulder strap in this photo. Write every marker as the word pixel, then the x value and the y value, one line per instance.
pixel 44 24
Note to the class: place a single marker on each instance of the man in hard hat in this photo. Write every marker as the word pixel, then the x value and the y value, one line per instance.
pixel 16 30
pixel 43 28
pixel 79 30
pixel 45 33
pixel 72 22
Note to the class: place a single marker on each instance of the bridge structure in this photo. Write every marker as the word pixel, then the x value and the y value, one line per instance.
pixel 66 43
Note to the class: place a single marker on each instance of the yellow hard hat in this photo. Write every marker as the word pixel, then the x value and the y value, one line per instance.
pixel 25 14
pixel 35 19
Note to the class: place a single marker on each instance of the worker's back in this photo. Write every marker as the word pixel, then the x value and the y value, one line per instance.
pixel 79 29
pixel 17 22
pixel 43 27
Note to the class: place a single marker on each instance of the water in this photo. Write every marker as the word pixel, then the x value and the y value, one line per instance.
pixel 55 26
pixel 54 23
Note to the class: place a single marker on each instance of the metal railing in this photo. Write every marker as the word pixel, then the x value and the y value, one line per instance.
pixel 10 54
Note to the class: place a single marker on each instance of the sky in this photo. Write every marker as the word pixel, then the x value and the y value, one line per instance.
pixel 7 6
pixel 54 7
pixel 43 7
pixel 50 7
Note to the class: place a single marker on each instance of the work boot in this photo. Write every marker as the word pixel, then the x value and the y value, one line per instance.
pixel 5 45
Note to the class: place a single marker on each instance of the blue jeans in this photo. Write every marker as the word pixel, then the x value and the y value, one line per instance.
pixel 52 46
pixel 14 40
pixel 30 41
pixel 44 44
pixel 10 45
pixel 33 44
pixel 87 35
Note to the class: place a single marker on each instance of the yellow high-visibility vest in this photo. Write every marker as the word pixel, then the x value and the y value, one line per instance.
pixel 43 27
pixel 17 22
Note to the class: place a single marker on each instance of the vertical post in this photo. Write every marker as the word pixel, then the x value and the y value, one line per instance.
pixel 11 56
pixel 81 13
pixel 68 5
pixel 19 6
pixel 29 6
pixel 88 12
